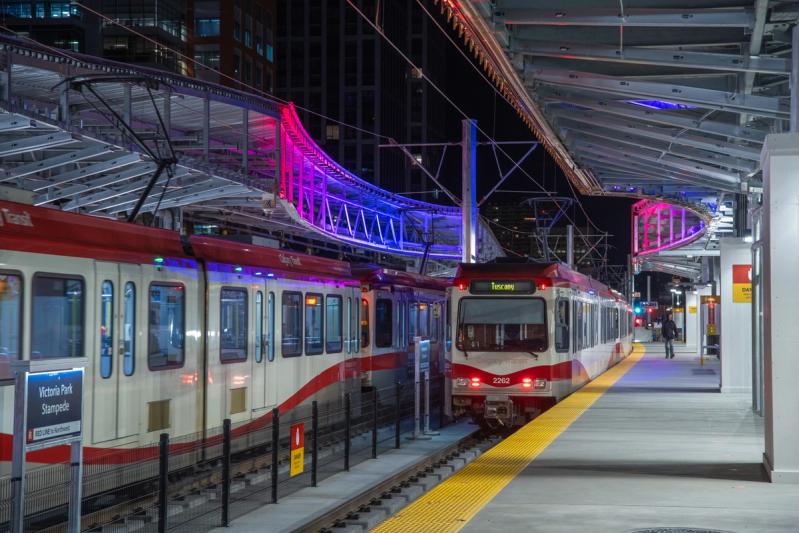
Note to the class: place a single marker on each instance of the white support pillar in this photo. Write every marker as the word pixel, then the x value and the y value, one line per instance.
pixel 469 184
pixel 736 320
pixel 780 163
pixel 691 323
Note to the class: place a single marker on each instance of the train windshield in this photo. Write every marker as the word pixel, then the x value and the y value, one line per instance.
pixel 502 324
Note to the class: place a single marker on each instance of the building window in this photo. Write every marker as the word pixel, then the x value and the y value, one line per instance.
pixel 57 317
pixel 60 10
pixel 207 27
pixel 332 132
pixel 18 9
pixel 270 53
pixel 237 30
pixel 248 38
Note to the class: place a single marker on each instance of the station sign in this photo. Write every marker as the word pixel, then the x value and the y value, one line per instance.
pixel 424 356
pixel 54 407
pixel 502 287
pixel 636 294
pixel 297 466
pixel 691 309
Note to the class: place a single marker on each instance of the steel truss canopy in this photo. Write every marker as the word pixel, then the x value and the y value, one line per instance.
pixel 80 133
pixel 665 99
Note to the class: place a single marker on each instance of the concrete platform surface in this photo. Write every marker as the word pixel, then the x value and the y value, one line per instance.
pixel 310 503
pixel 661 449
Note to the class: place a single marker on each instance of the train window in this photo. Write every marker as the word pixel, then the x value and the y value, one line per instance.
pixel 233 325
pixel 349 329
pixel 314 323
pixel 270 328
pixel 291 327
pixel 562 325
pixel 413 322
pixel 424 320
pixel 259 326
pixel 57 317
pixel 333 321
pixel 129 330
pixel 435 319
pixel 10 313
pixel 166 331
pixel 364 323
pixel 448 322
pixel 502 324
pixel 106 329
pixel 384 322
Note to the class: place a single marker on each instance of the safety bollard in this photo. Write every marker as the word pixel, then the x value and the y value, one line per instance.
pixel 347 423
pixel 225 472
pixel 163 473
pixel 275 450
pixel 397 415
pixel 315 443
pixel 374 424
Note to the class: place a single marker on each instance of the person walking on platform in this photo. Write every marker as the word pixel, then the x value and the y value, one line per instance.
pixel 669 333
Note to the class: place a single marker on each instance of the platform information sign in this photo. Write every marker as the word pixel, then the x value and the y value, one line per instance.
pixel 54 405
pixel 297 449
pixel 424 356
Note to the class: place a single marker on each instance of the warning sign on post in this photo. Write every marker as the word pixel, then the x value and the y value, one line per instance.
pixel 742 283
pixel 297 449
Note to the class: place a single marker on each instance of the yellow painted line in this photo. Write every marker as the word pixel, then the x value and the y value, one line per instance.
pixel 450 505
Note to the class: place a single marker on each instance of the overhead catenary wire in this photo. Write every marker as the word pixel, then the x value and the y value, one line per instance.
pixel 446 97
pixel 477 69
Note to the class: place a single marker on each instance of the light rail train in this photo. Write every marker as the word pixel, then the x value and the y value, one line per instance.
pixel 178 333
pixel 527 335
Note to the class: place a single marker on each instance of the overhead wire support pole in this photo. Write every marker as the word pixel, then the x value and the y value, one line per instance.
pixel 469 186
pixel 505 176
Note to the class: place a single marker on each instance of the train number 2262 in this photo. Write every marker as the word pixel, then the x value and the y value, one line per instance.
pixel 501 381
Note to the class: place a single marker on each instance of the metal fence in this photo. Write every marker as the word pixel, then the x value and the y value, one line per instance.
pixel 204 480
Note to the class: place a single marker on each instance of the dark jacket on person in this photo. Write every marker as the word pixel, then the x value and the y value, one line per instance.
pixel 669 330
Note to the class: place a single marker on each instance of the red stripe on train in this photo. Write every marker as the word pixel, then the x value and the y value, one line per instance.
pixel 559 371
pixel 330 376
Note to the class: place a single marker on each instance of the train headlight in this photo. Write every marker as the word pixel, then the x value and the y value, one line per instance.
pixel 527 383
pixel 461 382
pixel 540 383
pixel 474 383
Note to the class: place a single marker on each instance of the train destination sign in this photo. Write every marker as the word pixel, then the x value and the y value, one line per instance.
pixel 54 405
pixel 502 287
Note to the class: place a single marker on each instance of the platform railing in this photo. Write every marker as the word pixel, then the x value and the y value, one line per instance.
pixel 205 480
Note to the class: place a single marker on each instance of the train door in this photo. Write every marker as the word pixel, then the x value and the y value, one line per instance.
pixel 264 372
pixel 118 338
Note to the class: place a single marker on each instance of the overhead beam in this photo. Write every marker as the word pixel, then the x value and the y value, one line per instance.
pixel 654 56
pixel 722 100
pixel 50 163
pixel 692 168
pixel 661 134
pixel 633 111
pixel 37 142
pixel 659 18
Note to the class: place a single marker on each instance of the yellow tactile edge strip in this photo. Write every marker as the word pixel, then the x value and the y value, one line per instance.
pixel 450 505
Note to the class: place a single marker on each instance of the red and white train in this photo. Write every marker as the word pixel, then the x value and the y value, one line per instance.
pixel 178 333
pixel 527 335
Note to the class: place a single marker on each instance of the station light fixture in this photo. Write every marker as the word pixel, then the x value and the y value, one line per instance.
pixel 158 260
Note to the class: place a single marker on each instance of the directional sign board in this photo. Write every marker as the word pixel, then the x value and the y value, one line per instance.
pixel 297 449
pixel 424 356
pixel 54 405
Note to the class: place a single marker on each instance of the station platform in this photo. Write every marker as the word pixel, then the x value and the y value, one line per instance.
pixel 651 445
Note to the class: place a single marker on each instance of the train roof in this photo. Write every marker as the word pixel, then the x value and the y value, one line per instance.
pixel 387 276
pixel 33 229
pixel 559 275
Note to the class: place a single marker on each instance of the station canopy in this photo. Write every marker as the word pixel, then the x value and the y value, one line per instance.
pixel 659 99
pixel 87 135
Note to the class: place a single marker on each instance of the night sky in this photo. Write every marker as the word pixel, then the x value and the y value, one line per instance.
pixel 494 115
